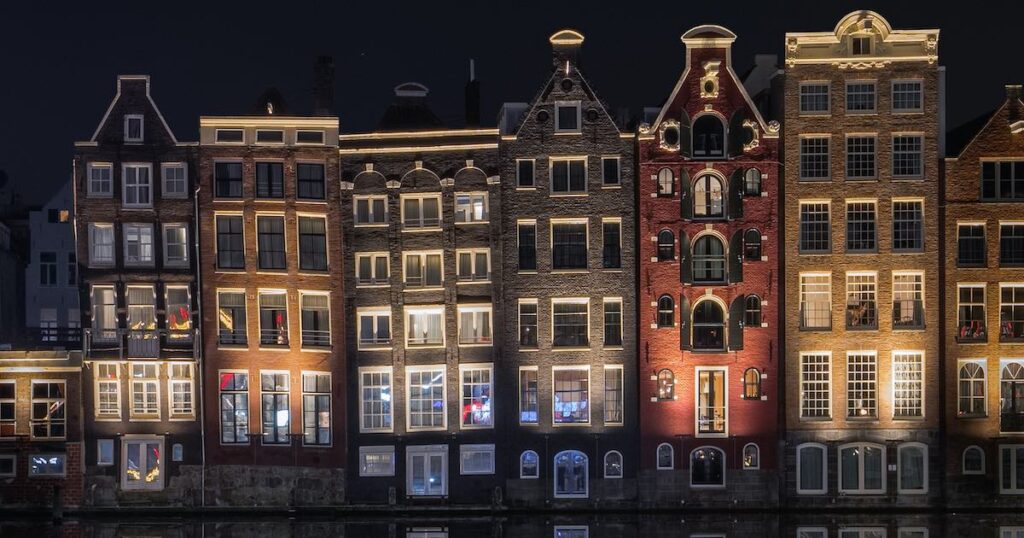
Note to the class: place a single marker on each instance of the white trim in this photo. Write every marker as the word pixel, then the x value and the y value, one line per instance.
pixel 117 96
pixel 604 471
pixel 899 468
pixel 217 140
pixel 489 368
pixel 158 483
pixel 963 461
pixel 382 222
pixel 164 167
pixel 465 450
pixel 165 244
pixel 657 457
pixel 408 396
pixel 373 312
pixel 124 184
pixel 586 476
pixel 89 168
pixel 560 368
pixel 142 129
pixel 423 309
pixel 579 116
pixel 860 488
pixel 482 308
pixel 376 449
pixel 824 469
pixel 99 452
pixel 1012 472
pixel 426 450
pixel 696 399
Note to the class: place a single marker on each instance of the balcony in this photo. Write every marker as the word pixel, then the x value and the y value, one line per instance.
pixel 972 331
pixel 316 338
pixel 32 338
pixel 139 344
pixel 861 315
pixel 374 340
pixel 908 315
pixel 474 277
pixel 816 317
pixel 1011 331
pixel 272 337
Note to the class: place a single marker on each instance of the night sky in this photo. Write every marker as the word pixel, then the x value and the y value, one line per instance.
pixel 59 62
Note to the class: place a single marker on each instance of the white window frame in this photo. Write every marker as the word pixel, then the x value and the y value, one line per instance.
pixel 415 450
pixel 743 454
pixel 375 279
pixel 696 400
pixel 271 143
pixel 568 159
pixel 98 382
pixel 579 117
pixel 259 317
pixel 94 167
pixel 465 450
pixel 876 413
pixel 473 252
pixel 804 283
pixel 315 392
pixel 190 413
pixel 899 468
pixel 408 397
pixel 330 331
pixel 124 185
pixel 423 269
pixel 163 236
pixel 551 327
pixel 158 484
pixel 554 476
pixel 99 451
pixel 485 308
pixel 128 118
pixel 590 411
pixel 217 140
pixel 519 395
pixel 828 97
pixel 362 403
pixel 963 461
pixel 824 470
pixel 923 384
pixel 1013 490
pixel 622 394
pixel 383 222
pixel 657 457
pixel 165 191
pixel 818 532
pixel 93 261
pixel 420 198
pixel 248 407
pixel 139 414
pixel 327 242
pixel 861 478
pixel 374 312
pixel 469 211
pixel 379 449
pixel 423 309
pixel 139 226
pixel 287 391
pixel 13 401
pixel 307 131
pixel 489 368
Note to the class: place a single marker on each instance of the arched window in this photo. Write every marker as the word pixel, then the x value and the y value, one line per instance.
pixel 666 456
pixel 707 467
pixel 708 259
pixel 666 182
pixel 666 246
pixel 862 468
pixel 811 471
pixel 751 384
pixel 571 474
pixel 912 466
pixel 752 182
pixel 666 311
pixel 529 465
pixel 708 137
pixel 972 390
pixel 666 385
pixel 752 245
pixel 1011 397
pixel 751 456
pixel 752 312
pixel 708 326
pixel 613 464
pixel 974 460
pixel 708 197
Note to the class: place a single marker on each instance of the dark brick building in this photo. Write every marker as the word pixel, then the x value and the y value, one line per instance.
pixel 709 287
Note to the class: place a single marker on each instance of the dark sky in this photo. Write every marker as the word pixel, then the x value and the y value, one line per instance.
pixel 59 59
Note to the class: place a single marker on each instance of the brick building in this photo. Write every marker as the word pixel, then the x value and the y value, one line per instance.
pixel 272 272
pixel 134 234
pixel 52 314
pixel 568 293
pixel 708 294
pixel 863 134
pixel 984 305
pixel 420 214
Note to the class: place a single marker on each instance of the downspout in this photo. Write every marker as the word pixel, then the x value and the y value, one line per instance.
pixel 199 337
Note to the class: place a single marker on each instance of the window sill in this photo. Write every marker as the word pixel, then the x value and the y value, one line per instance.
pixel 814 114
pixel 108 419
pixel 230 270
pixel 569 271
pixel 423 346
pixel 315 349
pixel 569 348
pixel 611 187
pixel 568 194
pixel 262 271
pixel 526 187
pixel 613 348
pixel 432 288
pixel 421 230
pixel 815 419
pixel 144 419
pixel 315 272
pixel 471 222
pixel 465 282
pixel 283 348
pixel 378 225
pixel 907 178
pixel 94 196
pixel 476 344
pixel 816 329
pixel 814 179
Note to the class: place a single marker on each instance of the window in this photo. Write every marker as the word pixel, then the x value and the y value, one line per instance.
pixel 611 236
pixel 906 96
pixel 571 388
pixel 861 385
pixel 313 243
pixel 815 386
pixel 421 211
pixel 666 384
pixel 476 396
pixel 971 389
pixel 570 326
pixel 814 159
pixel 613 395
pixel 372 269
pixel 310 177
pixel 145 390
pixel 274 388
pixel 230 243
pixel 1011 469
pixel 1011 313
pixel 861 306
pixel 814 98
pixel 269 180
pixel 273 318
pixel 568 245
pixel 138 244
pixel 175 245
pixel 708 326
pixel 234 407
pixel 971 317
pixel 316 319
pixel 815 227
pixel 528 403
pixel 708 259
pixel 108 390
pixel 665 456
pixel 666 246
pixel 907 161
pixel 309 137
pixel 475 325
pixel 374 327
pixel 473 265
pixel 48 410
pixel 1002 180
pixel 376 461
pixel 860 157
pixel 752 311
pixel 229 136
pixel 973 460
pixel 527 323
pixel 708 137
pixel 101 182
pixel 101 244
pixel 141 311
pixel 231 318
pixel 143 463
pixel 568 176
pixel 711 401
pixel 567 116
pixel 47 268
pixel 1011 245
pixel 1011 397
pixel 371 210
pixel 427 402
pixel 751 384
pixel 227 179
pixel 613 322
pixel 610 171
pixel 752 182
pixel 529 465
pixel 860 96
pixel 104 314
pixel 971 249
pixel 907 225
pixel 912 463
pixel 471 207
pixel 861 468
pixel 138 185
pixel 571 473
pixel 104 452
pixel 133 131
pixel 707 467
pixel 527 233
pixel 476 459
pixel 812 471
pixel 908 384
pixel 666 311
pixel 269 136
pixel 613 464
pixel 44 465
pixel 907 300
pixel 752 245
pixel 271 248
pixel 178 312
pixel 751 457
pixel 708 197
pixel 180 389
pixel 425 326
pixel 525 173
pixel 860 227
pixel 175 177
pixel 666 182
pixel 426 470
pixel 375 400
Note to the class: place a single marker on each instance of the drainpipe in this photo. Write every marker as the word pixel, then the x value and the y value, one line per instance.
pixel 199 361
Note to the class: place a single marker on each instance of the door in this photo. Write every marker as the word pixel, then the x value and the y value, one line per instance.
pixel 427 470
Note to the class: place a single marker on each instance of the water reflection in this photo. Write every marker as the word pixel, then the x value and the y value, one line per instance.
pixel 547 525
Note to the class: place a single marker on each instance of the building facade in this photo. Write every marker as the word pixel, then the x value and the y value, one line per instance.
pixel 863 133
pixel 134 231
pixel 708 293
pixel 984 300
pixel 52 315
pixel 568 283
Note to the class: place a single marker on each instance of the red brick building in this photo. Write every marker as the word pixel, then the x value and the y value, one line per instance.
pixel 708 286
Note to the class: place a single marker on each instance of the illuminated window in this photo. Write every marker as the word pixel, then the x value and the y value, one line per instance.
pixel 528 402
pixel 276 412
pixel 476 459
pixel 376 408
pixel 145 390
pixel 424 326
pixel 376 461
pixel 49 412
pixel 971 388
pixel 571 474
pixel 476 411
pixel 861 385
pixel 815 386
pixel 712 406
pixel 471 207
pixel 861 301
pixel 908 384
pixel 427 407
pixel 180 390
pixel 529 465
pixel 666 182
pixel 143 463
pixel 234 407
pixel 666 311
pixel 176 245
pixel 751 457
pixel 666 384
pixel 571 394
pixel 613 395
pixel 751 384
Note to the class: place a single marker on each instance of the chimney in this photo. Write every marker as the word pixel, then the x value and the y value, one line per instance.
pixel 323 86
pixel 565 48
pixel 472 97
pixel 1013 91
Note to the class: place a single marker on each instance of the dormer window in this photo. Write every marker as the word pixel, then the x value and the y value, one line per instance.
pixel 133 128
pixel 269 137
pixel 861 45
pixel 229 136
pixel 567 117
pixel 708 137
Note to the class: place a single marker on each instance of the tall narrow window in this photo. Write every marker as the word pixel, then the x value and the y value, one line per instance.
pixel 1011 245
pixel 907 156
pixel 313 243
pixel 234 407
pixel 971 389
pixel 476 409
pixel 181 390
pixel 101 244
pixel 141 312
pixel 861 303
pixel 316 319
pixel 568 245
pixel 752 311
pixel 666 182
pixel 861 385
pixel 1011 397
pixel 612 322
pixel 971 319
pixel 108 390
pixel 908 384
pixel 707 467
pixel 708 197
pixel 525 177
pixel 48 411
pixel 610 171
pixel 907 300
pixel 970 245
pixel 571 400
pixel 375 399
pixel 814 159
pixel 708 259
pixel 529 465
pixel 133 131
pixel 9 408
pixel 527 233
pixel 611 237
pixel 274 388
pixel 666 246
pixel 815 227
pixel 529 407
pixel 665 456
pixel 815 386
pixel 752 245
pixel 104 314
pixel 1011 313
pixel 666 311
pixel 907 225
pixel 310 177
pixel 860 157
pixel 47 269
pixel 176 245
pixel 812 470
pixel 269 180
pixel 231 318
pixel 271 248
pixel 178 313
pixel 527 323
pixel 613 395
pixel 316 408
pixel 708 326
pixel 570 323
pixel 814 98
pixel 427 410
pixel 711 401
pixel 227 180
pixel 752 182
pixel 571 474
pixel 138 185
pixel 666 384
pixel 145 390
pixel 751 384
pixel 860 227
pixel 273 319
pixel 230 245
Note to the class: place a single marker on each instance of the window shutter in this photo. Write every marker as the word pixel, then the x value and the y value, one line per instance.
pixel 736 312
pixel 685 259
pixel 736 257
pixel 736 194
pixel 685 196
pixel 685 144
pixel 684 323
pixel 737 134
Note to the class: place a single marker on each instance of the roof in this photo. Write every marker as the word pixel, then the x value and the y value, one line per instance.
pixel 960 136
pixel 409 111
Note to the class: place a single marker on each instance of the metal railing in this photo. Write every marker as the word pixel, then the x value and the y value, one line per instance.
pixel 138 344
pixel 972 331
pixel 316 338
pixel 908 314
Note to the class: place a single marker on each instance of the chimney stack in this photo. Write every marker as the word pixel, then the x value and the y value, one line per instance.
pixel 323 86
pixel 1013 91
pixel 565 48
pixel 472 98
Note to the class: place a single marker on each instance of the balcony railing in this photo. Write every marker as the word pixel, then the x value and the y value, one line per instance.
pixel 475 339
pixel 49 338
pixel 274 337
pixel 138 344
pixel 816 317
pixel 1011 331
pixel 972 331
pixel 375 340
pixel 908 315
pixel 426 340
pixel 474 277
pixel 313 338
pixel 861 315
pixel 711 420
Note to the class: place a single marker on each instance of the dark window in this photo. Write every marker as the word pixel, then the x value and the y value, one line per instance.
pixel 528 324
pixel 708 326
pixel 907 226
pixel 751 384
pixel 707 467
pixel 815 228
pixel 613 323
pixel 671 137
pixel 231 316
pixel 1011 244
pixel 708 137
pixel 72 269
pixel 312 243
pixel 524 171
pixel 970 245
pixel 860 157
pixel 230 135
pixel 53 216
pixel 610 171
pixel 666 311
pixel 315 320
pixel 611 253
pixel 310 181
pixel 570 324
pixel 907 159
pixel 569 246
pixel 47 268
pixel 752 245
pixel 568 117
pixel 230 247
pixel 814 98
pixel 309 137
pixel 271 242
pixel 666 246
pixel 568 175
pixel 527 246
pixel 269 180
pixel 227 180
pixel 860 97
pixel 752 311
pixel 860 227
pixel 666 182
pixel 666 388
pixel 270 137
pixel 1002 180
pixel 708 197
pixel 861 45
pixel 752 182
pixel 708 259
pixel 814 158
pixel 906 96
